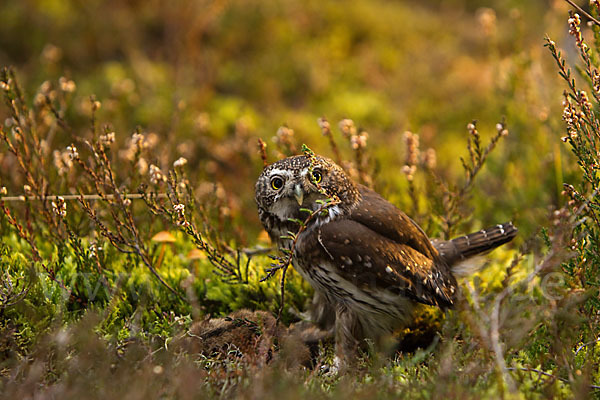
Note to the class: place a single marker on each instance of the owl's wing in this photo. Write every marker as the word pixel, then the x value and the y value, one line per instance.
pixel 367 258
pixel 381 216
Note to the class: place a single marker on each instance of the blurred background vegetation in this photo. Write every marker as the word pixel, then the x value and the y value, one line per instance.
pixel 205 79
pixel 208 77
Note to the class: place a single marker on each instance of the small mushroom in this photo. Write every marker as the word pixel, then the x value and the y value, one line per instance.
pixel 194 256
pixel 263 237
pixel 164 238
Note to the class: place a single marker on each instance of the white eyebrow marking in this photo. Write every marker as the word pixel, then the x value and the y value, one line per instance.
pixel 280 172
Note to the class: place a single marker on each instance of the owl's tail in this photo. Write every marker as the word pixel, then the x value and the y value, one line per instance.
pixel 463 253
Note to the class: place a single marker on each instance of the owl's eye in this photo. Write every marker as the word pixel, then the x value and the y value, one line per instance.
pixel 317 176
pixel 276 183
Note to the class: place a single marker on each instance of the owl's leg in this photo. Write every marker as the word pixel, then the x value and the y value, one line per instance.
pixel 322 312
pixel 348 333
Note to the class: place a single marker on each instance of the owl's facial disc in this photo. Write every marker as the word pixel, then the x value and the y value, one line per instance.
pixel 294 192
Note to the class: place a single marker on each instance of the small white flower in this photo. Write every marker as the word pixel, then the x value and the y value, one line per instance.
pixel 60 207
pixel 72 150
pixel 180 210
pixel 359 141
pixel 45 87
pixel 62 161
pixel 430 159
pixel 180 162
pixel 142 165
pixel 156 174
pixel 409 171
pixel 66 85
pixel 324 125
pixel 285 133
pixel 347 127
pixel 93 250
pixel 107 139
pixel 138 140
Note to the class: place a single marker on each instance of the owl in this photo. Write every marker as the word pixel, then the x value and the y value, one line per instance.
pixel 368 262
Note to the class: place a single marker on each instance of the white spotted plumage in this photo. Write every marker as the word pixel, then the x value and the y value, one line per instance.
pixel 367 259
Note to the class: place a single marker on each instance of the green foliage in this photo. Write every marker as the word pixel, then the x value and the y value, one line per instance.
pixel 91 298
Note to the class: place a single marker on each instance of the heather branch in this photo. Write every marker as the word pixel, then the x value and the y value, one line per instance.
pixel 124 235
pixel 581 10
pixel 477 155
pixel 358 142
pixel 540 372
pixel 102 196
pixel 8 298
pixel 8 295
pixel 25 235
pixel 453 198
pixel 262 147
pixel 175 213
pixel 133 246
pixel 36 184
pixel 577 95
pixel 554 257
pixel 326 131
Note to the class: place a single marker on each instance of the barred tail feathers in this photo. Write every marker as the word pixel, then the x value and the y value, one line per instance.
pixel 463 253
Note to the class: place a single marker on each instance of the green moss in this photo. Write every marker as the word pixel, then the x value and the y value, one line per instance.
pixel 209 79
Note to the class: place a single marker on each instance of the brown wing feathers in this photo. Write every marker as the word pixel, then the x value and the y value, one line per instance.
pixel 381 216
pixel 362 255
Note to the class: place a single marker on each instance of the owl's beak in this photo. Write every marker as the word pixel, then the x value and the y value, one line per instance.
pixel 299 194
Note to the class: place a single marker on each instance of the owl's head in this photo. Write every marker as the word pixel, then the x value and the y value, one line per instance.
pixel 294 183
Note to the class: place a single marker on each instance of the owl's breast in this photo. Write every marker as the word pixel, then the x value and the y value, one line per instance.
pixel 342 286
pixel 379 312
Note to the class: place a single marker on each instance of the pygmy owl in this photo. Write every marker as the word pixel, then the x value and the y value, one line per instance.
pixel 366 259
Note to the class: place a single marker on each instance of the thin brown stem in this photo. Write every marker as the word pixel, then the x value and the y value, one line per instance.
pixel 581 10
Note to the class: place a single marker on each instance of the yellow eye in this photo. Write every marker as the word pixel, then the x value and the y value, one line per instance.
pixel 317 176
pixel 276 183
